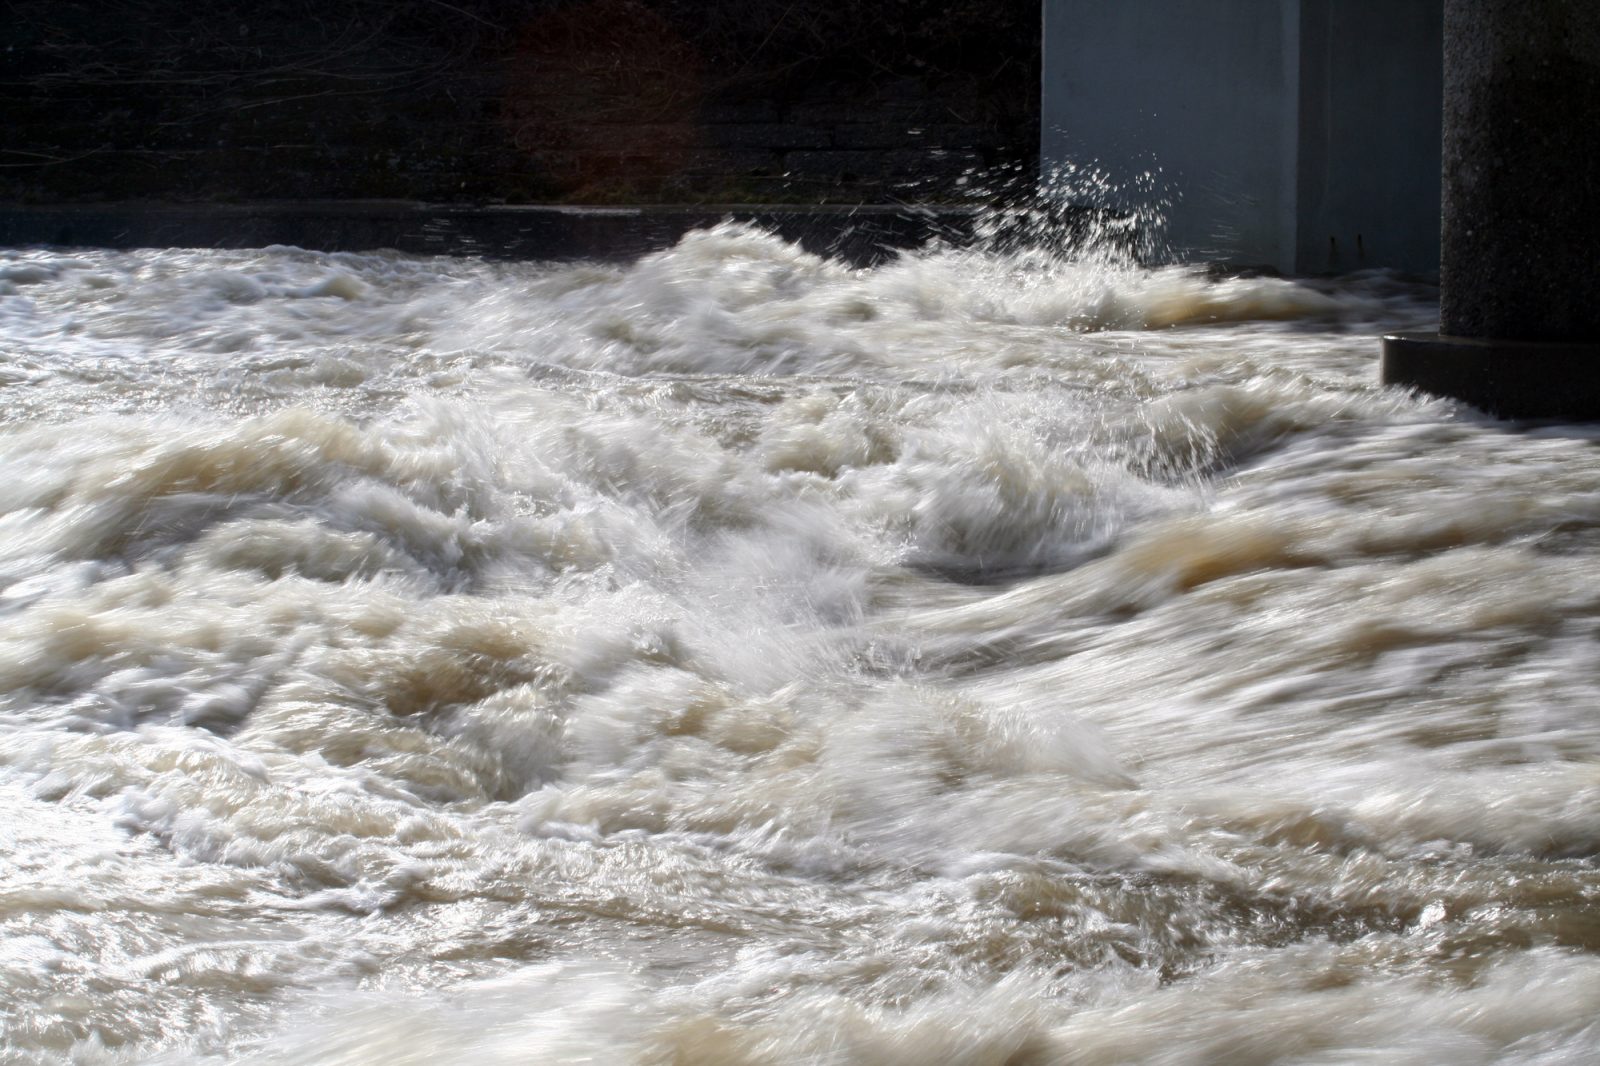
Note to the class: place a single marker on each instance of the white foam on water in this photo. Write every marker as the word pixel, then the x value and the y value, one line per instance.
pixel 736 656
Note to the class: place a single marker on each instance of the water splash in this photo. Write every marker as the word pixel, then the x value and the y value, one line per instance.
pixel 1001 654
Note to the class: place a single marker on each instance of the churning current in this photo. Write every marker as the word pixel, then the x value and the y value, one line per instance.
pixel 737 657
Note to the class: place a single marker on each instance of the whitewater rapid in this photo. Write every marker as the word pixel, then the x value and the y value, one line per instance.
pixel 739 657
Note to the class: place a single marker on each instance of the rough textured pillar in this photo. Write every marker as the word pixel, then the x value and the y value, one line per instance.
pixel 1520 259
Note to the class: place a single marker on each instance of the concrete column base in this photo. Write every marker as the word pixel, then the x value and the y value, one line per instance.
pixel 1507 378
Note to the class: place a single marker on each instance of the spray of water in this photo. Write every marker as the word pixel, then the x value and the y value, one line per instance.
pixel 1020 653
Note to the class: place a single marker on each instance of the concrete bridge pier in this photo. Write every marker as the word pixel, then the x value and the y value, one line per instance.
pixel 1520 257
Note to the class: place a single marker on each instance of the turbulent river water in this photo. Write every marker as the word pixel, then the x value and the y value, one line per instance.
pixel 740 657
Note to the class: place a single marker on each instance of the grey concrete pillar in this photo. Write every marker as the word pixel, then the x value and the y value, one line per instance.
pixel 1520 259
pixel 1300 134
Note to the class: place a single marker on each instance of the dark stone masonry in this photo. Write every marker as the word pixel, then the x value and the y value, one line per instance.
pixel 517 101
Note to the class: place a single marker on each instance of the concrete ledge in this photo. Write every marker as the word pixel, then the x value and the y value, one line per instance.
pixel 863 235
pixel 1508 379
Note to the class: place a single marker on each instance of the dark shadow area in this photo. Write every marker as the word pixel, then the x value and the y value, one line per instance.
pixel 478 101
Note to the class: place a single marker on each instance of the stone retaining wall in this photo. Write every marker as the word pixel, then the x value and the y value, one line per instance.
pixel 515 101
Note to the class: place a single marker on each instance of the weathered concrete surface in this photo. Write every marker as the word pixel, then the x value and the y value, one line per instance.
pixel 1508 379
pixel 1520 269
pixel 1368 166
pixel 1300 134
pixel 1521 225
pixel 1192 88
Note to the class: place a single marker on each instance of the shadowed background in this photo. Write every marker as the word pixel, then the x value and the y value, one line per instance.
pixel 532 100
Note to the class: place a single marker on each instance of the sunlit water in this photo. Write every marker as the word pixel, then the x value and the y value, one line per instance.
pixel 737 657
